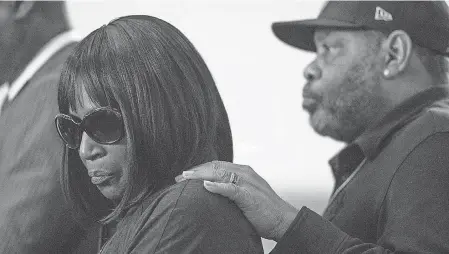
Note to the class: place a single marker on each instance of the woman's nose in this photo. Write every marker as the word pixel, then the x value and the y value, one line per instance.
pixel 89 149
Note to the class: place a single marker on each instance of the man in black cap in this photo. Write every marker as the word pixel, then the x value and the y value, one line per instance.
pixel 377 84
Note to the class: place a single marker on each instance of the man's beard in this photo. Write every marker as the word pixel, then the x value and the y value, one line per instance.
pixel 349 110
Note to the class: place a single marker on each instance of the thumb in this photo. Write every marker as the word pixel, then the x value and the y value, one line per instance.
pixel 225 189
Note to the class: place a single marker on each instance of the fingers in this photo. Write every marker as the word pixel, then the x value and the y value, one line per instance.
pixel 228 190
pixel 240 195
pixel 212 164
pixel 216 171
pixel 209 172
pixel 225 177
pixel 228 166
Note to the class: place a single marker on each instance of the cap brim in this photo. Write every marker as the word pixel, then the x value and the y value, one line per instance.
pixel 300 33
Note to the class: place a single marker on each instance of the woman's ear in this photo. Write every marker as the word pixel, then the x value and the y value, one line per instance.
pixel 397 48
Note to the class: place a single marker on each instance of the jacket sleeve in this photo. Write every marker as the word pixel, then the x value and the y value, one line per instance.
pixel 414 216
pixel 34 217
pixel 201 222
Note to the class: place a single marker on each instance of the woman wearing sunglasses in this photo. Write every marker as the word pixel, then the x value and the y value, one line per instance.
pixel 138 106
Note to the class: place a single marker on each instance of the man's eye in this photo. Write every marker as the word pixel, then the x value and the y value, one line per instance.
pixel 322 49
pixel 330 49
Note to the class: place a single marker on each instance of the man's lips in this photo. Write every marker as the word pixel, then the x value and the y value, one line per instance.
pixel 309 104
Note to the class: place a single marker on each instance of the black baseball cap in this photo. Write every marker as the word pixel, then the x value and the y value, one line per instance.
pixel 426 22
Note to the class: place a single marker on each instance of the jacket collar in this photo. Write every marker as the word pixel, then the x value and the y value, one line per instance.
pixel 9 91
pixel 53 46
pixel 371 142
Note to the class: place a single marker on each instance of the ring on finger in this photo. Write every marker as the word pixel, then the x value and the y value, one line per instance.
pixel 233 178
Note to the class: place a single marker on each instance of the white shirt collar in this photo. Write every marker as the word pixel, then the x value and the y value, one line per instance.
pixel 53 46
pixel 3 94
pixel 9 92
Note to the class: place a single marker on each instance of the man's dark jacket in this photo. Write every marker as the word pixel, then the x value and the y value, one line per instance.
pixel 392 191
pixel 33 215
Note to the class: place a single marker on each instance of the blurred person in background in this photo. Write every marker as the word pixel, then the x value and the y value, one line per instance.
pixel 378 83
pixel 138 106
pixel 35 40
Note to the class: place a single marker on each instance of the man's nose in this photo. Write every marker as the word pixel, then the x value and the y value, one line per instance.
pixel 89 149
pixel 312 71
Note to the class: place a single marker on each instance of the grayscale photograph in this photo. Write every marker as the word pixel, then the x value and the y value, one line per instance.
pixel 224 127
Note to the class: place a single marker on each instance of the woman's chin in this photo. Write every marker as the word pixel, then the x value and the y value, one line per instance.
pixel 110 192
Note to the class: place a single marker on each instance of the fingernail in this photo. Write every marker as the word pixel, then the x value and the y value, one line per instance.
pixel 179 178
pixel 208 183
pixel 187 173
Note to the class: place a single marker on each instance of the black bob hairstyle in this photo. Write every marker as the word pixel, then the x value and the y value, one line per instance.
pixel 173 114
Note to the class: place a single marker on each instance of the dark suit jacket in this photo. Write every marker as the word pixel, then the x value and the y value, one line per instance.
pixel 33 215
pixel 398 200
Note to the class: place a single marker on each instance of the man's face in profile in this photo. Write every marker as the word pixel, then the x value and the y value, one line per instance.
pixel 343 83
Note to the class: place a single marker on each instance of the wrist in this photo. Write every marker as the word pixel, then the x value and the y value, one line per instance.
pixel 287 217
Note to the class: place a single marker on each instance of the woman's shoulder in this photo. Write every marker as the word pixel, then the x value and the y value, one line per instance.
pixel 193 193
pixel 192 199
pixel 195 218
pixel 188 204
pixel 186 218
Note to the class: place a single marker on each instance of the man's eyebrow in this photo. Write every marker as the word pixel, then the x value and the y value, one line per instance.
pixel 323 34
pixel 332 36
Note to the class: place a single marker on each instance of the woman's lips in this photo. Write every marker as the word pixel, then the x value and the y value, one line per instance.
pixel 97 180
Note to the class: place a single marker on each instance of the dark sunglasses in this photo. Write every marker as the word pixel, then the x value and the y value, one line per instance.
pixel 104 125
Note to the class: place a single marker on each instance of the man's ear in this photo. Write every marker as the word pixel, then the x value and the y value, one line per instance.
pixel 22 9
pixel 398 48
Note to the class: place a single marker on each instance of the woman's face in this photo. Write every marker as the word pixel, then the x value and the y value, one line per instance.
pixel 105 164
